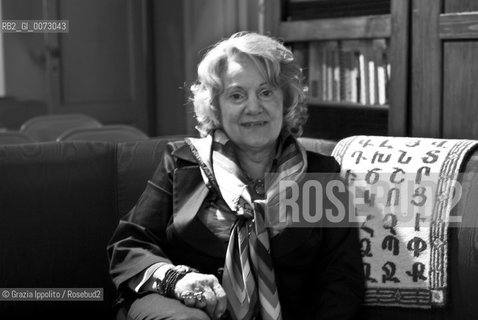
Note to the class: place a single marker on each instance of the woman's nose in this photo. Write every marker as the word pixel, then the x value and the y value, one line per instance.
pixel 254 105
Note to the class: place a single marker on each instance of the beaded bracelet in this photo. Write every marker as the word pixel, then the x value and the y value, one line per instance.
pixel 166 286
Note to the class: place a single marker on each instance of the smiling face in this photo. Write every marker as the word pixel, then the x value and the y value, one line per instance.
pixel 250 107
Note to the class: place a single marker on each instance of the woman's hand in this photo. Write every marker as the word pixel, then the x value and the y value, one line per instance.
pixel 202 291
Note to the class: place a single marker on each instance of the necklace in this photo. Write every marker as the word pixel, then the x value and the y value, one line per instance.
pixel 259 188
pixel 257 185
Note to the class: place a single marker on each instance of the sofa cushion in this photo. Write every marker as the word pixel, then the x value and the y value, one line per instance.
pixel 58 210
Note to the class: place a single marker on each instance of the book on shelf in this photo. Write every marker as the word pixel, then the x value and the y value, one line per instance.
pixel 348 76
pixel 351 71
pixel 336 75
pixel 314 74
pixel 380 49
pixel 324 71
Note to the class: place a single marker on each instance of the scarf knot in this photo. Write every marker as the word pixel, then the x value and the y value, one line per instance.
pixel 244 209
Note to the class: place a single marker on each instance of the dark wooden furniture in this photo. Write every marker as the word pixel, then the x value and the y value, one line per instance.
pixel 434 65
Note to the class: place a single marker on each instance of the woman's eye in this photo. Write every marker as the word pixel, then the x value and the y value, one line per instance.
pixel 236 96
pixel 267 93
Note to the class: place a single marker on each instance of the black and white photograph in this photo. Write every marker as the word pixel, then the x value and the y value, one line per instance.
pixel 239 159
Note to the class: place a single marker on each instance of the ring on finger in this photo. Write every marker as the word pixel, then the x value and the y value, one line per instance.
pixel 199 296
pixel 188 296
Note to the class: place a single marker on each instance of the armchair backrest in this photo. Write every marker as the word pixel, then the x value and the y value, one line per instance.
pixel 109 133
pixel 50 127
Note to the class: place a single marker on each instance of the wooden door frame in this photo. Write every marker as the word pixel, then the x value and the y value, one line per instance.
pixel 398 113
pixel 426 82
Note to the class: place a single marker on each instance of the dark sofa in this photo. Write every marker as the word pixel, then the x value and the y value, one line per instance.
pixel 60 203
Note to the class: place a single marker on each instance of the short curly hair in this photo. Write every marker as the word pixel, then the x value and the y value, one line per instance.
pixel 272 59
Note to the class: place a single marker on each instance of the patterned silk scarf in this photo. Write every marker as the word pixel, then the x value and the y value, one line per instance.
pixel 248 277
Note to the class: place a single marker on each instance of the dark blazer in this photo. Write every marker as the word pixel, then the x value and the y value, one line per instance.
pixel 318 270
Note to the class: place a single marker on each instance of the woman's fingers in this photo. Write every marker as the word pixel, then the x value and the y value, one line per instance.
pixel 211 301
pixel 188 298
pixel 204 292
pixel 200 298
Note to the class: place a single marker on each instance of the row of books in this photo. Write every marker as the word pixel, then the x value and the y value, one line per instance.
pixel 354 71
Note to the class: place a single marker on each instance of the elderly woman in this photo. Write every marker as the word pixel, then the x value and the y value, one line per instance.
pixel 196 245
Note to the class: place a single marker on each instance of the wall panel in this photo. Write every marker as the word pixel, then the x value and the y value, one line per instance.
pixel 460 94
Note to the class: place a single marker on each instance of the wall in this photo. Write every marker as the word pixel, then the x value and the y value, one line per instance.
pixel 24 53
pixel 168 59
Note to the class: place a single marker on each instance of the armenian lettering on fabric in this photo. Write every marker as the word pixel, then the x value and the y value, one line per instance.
pixel 403 191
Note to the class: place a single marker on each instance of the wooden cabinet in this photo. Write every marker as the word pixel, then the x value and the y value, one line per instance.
pixel 433 56
pixel 444 64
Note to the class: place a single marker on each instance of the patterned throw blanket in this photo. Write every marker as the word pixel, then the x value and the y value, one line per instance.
pixel 403 191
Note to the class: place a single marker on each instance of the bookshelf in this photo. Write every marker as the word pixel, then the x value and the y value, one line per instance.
pixel 348 54
pixel 352 72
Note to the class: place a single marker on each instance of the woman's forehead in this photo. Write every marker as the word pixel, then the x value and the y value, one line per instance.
pixel 242 71
pixel 238 63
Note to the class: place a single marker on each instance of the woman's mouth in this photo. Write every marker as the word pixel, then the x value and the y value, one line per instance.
pixel 253 124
